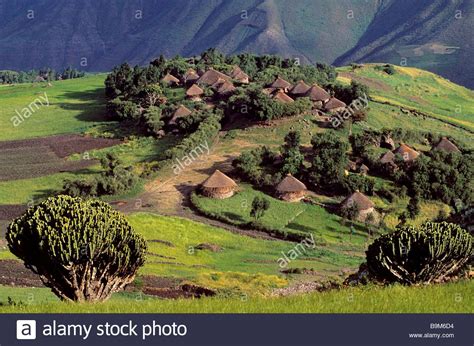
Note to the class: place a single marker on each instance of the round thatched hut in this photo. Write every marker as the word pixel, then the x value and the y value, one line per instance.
pixel 194 93
pixel 362 203
pixel 291 189
pixel 218 185
pixel 446 145
pixel 408 154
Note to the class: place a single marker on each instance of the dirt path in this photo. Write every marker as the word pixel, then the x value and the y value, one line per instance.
pixel 170 194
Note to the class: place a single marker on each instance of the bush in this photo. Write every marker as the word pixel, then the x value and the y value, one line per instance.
pixel 388 69
pixel 354 182
pixel 425 254
pixel 82 249
pixel 116 179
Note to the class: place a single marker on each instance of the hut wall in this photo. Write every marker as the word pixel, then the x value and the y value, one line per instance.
pixel 335 110
pixel 220 193
pixel 362 215
pixel 292 196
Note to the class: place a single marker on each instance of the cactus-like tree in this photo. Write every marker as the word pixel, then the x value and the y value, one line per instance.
pixel 424 254
pixel 82 249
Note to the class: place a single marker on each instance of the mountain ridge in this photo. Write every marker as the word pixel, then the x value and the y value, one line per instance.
pixel 97 35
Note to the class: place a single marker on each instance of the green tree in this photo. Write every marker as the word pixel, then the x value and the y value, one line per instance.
pixel 330 159
pixel 82 249
pixel 413 207
pixel 259 206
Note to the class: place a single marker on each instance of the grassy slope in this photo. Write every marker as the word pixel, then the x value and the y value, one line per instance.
pixel 75 106
pixel 299 217
pixel 424 91
pixel 449 298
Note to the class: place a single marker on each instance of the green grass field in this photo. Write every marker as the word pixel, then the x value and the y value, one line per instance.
pixel 446 298
pixel 413 88
pixel 75 106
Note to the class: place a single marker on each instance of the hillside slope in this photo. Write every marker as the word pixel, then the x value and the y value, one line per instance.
pixel 96 35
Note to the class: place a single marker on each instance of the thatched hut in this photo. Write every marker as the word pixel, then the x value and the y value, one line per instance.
pixel 282 97
pixel 408 154
pixel 268 91
pixel 363 169
pixel 218 185
pixel 211 77
pixel 300 89
pixel 446 145
pixel 190 76
pixel 317 95
pixel 334 105
pixel 291 189
pixel 239 75
pixel 180 112
pixel 170 79
pixel 194 93
pixel 225 88
pixel 363 205
pixel 281 84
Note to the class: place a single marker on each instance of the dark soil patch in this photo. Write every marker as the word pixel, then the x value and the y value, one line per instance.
pixel 62 145
pixel 14 273
pixel 171 288
pixel 164 242
pixel 9 212
pixel 209 247
pixel 371 83
pixel 30 158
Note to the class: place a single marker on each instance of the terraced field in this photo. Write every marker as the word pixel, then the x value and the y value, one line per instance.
pixel 414 89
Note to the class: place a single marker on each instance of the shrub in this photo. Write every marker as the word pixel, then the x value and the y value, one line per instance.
pixel 425 254
pixel 82 249
pixel 388 69
pixel 115 179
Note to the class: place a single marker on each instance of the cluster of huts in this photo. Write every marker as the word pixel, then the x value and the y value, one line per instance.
pixel 285 92
pixel 409 154
pixel 223 85
pixel 290 189
pixel 220 186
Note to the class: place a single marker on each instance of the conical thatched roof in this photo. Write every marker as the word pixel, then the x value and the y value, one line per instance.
pixel 238 74
pixel 225 87
pixel 334 103
pixel 211 76
pixel 181 111
pixel 169 78
pixel 290 184
pixel 218 180
pixel 361 201
pixel 387 157
pixel 194 90
pixel 280 83
pixel 190 76
pixel 300 88
pixel 282 97
pixel 407 153
pixel 446 145
pixel 316 93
